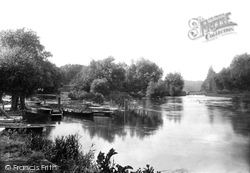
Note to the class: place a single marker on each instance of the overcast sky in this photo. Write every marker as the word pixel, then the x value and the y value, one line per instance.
pixel 77 31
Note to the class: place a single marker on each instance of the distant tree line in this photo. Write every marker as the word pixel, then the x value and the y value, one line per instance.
pixel 141 78
pixel 25 70
pixel 235 78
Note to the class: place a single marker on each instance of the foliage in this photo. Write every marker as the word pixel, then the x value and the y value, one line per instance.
pixel 100 86
pixel 105 165
pixel 209 84
pixel 69 72
pixel 15 78
pixel 118 98
pixel 64 151
pixel 139 74
pixel 148 169
pixel 175 84
pixel 83 95
pixel 231 79
pixel 157 90
pixel 98 98
pixel 51 78
pixel 106 68
pixel 24 66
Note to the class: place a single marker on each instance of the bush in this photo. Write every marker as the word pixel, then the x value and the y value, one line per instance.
pixel 97 98
pixel 119 97
pixel 64 151
pixel 83 95
pixel 100 86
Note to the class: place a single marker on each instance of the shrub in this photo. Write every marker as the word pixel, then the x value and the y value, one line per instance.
pixel 105 165
pixel 119 97
pixel 100 86
pixel 83 95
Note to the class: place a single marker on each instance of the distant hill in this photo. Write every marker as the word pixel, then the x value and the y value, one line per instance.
pixel 192 85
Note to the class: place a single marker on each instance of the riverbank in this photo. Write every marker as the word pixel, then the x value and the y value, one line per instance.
pixel 18 156
pixel 34 153
pixel 223 95
pixel 230 95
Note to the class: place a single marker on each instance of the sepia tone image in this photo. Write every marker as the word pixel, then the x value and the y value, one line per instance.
pixel 107 86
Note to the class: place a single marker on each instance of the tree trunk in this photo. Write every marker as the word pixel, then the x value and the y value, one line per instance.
pixel 14 101
pixel 1 96
pixel 22 102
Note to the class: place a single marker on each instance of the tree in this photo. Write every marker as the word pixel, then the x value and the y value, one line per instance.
pixel 69 72
pixel 234 78
pixel 140 73
pixel 22 57
pixel 175 83
pixel 240 72
pixel 209 85
pixel 106 68
pixel 51 78
pixel 157 90
pixel 223 80
pixel 100 86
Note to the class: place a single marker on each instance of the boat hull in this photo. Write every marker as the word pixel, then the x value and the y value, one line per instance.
pixel 36 115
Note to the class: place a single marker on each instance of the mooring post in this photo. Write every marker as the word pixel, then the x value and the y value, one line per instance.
pixel 59 102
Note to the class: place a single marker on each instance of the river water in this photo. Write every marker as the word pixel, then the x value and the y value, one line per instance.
pixel 197 133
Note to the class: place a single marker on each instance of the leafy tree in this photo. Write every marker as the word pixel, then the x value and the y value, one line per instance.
pixel 240 72
pixel 209 84
pixel 175 83
pixel 106 68
pixel 157 90
pixel 51 78
pixel 117 77
pixel 100 86
pixel 231 79
pixel 140 73
pixel 69 72
pixel 22 57
pixel 223 80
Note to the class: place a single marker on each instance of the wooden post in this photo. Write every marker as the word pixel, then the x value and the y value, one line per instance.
pixel 59 102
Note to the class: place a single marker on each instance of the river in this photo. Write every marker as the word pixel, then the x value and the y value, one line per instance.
pixel 197 133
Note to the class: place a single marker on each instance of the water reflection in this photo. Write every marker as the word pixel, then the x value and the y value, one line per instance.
pixel 133 123
pixel 201 134
pixel 173 107
pixel 225 108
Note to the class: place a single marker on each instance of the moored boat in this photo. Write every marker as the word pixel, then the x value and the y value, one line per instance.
pixel 41 115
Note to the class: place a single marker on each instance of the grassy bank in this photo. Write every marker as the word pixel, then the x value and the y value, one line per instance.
pixel 63 155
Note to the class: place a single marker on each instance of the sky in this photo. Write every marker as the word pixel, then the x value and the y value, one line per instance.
pixel 77 31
